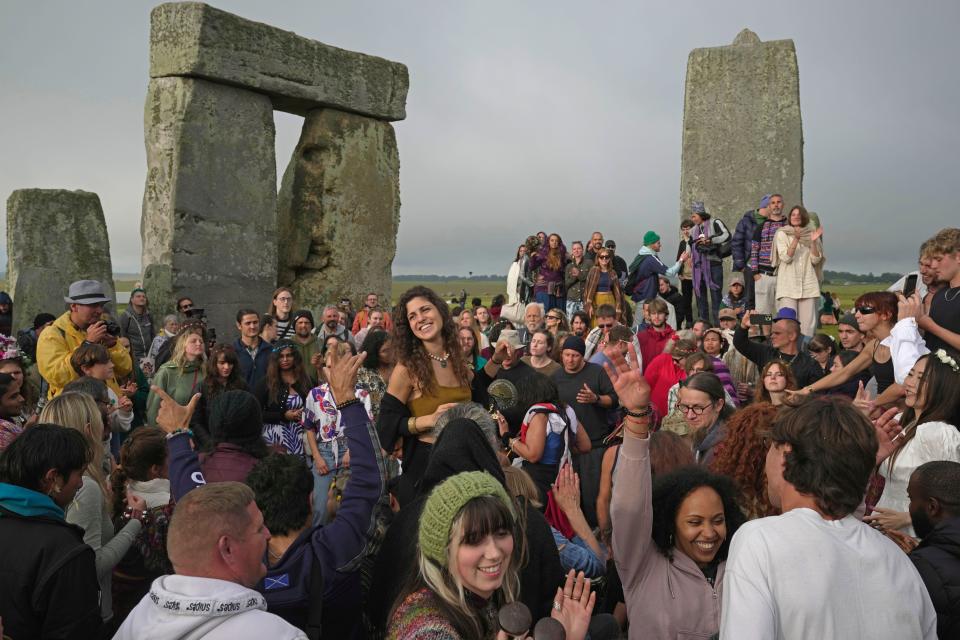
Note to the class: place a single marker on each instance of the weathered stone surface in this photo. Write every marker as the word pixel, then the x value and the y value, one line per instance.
pixel 742 132
pixel 299 74
pixel 339 209
pixel 209 206
pixel 54 237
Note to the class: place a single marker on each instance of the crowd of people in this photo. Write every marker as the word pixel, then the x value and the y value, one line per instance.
pixel 615 448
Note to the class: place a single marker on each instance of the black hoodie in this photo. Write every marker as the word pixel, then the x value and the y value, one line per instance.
pixel 938 561
pixel 461 446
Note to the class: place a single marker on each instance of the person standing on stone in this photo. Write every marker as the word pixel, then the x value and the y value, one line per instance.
pixel 281 310
pixel 370 304
pixel 797 255
pixel 332 327
pixel 685 311
pixel 644 280
pixel 706 237
pixel 586 388
pixel 252 351
pixel 549 262
pixel 603 287
pixel 81 323
pixel 184 308
pixel 742 245
pixel 764 272
pixel 596 244
pixel 575 276
pixel 619 264
pixel 136 324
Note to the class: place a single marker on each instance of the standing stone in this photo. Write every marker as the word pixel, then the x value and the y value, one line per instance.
pixel 196 40
pixel 209 206
pixel 339 209
pixel 54 237
pixel 742 132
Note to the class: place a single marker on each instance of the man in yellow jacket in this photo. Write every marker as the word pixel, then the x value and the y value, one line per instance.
pixel 80 324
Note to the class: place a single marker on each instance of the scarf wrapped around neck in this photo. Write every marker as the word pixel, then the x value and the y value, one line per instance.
pixel 804 234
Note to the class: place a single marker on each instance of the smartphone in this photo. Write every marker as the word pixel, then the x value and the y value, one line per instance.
pixel 910 285
pixel 761 319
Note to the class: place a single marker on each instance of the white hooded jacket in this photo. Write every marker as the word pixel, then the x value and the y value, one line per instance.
pixel 188 608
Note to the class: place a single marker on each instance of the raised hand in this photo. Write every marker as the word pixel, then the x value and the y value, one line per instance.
pixel 566 489
pixel 342 375
pixel 889 434
pixel 172 415
pixel 576 605
pixel 631 387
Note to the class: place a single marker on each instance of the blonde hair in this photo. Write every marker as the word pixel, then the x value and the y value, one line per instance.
pixel 202 517
pixel 79 411
pixel 520 484
pixel 179 353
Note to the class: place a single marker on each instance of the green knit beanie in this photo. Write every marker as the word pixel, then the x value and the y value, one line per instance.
pixel 446 501
pixel 650 237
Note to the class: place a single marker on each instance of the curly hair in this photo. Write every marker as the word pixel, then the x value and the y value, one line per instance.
pixel 409 349
pixel 669 492
pixel 743 453
pixel 282 485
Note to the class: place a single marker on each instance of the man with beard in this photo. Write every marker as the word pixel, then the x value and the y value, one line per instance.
pixel 331 326
pixel 657 334
pixel 306 343
pixel 596 243
pixel 934 492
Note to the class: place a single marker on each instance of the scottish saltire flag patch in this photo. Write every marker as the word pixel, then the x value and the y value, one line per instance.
pixel 281 581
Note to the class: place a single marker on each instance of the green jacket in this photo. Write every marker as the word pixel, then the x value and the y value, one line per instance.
pixel 179 384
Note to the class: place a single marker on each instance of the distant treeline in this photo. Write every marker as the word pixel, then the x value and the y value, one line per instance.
pixel 837 277
pixel 435 278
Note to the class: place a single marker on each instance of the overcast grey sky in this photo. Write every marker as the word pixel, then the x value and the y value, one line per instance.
pixel 561 116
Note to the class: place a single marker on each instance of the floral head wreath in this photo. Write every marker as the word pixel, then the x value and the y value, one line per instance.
pixel 9 349
pixel 947 359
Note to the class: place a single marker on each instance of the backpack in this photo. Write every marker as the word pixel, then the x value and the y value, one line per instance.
pixel 725 248
pixel 634 281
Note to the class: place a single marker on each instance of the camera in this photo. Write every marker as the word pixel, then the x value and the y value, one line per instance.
pixel 112 328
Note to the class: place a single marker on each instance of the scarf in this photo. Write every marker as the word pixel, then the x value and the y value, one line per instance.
pixel 804 235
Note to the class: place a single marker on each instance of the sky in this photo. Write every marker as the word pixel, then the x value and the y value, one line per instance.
pixel 525 116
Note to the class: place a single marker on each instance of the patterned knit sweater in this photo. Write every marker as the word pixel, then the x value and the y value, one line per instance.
pixel 419 618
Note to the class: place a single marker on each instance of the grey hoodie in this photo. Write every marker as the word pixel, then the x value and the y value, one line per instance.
pixel 189 608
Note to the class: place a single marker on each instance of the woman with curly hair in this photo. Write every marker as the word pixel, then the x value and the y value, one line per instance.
pixel 431 375
pixel 550 261
pixel 743 454
pixel 670 537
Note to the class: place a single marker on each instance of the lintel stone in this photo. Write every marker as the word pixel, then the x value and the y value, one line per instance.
pixel 196 40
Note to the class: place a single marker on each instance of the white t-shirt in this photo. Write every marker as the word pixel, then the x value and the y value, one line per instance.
pixel 800 577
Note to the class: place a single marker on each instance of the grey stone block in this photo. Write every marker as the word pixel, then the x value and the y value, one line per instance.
pixel 196 40
pixel 742 130
pixel 209 208
pixel 339 209
pixel 54 237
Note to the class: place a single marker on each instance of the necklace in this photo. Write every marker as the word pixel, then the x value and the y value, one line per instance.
pixel 946 294
pixel 273 556
pixel 441 360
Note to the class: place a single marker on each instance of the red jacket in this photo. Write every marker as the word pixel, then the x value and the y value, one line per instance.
pixel 661 373
pixel 653 341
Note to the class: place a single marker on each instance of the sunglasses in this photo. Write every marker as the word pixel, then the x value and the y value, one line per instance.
pixel 865 311
pixel 605 326
pixel 603 257
pixel 549 317
pixel 186 307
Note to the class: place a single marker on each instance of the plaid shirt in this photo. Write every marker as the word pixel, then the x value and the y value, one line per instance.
pixel 762 244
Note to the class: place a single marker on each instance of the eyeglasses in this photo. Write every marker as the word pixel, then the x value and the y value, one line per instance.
pixel 605 326
pixel 285 299
pixel 865 311
pixel 687 408
pixel 186 307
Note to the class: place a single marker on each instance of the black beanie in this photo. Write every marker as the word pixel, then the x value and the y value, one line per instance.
pixel 235 417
